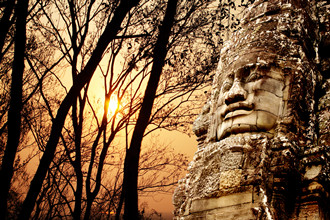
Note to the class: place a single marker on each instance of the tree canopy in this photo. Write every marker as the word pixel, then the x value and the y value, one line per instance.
pixel 63 62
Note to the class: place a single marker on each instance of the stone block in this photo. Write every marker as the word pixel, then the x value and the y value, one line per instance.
pixel 270 85
pixel 223 201
pixel 312 172
pixel 249 119
pixel 265 120
pixel 231 160
pixel 267 102
pixel 310 211
pixel 230 178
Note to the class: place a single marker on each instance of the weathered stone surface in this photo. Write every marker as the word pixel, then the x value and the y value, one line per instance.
pixel 264 134
pixel 220 202
pixel 312 171
pixel 230 179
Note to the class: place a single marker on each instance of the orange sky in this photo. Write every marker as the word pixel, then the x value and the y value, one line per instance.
pixel 183 144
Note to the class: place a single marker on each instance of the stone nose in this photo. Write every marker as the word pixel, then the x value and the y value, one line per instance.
pixel 236 93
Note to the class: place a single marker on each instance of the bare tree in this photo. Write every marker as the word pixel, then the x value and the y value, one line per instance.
pixel 112 84
pixel 15 106
pixel 130 182
pixel 82 79
pixel 123 31
pixel 6 22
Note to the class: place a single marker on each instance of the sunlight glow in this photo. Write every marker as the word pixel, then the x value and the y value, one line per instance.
pixel 113 105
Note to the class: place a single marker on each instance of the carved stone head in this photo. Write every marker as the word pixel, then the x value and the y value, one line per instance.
pixel 258 130
pixel 250 98
pixel 258 84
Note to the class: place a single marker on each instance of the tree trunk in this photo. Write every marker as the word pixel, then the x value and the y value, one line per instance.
pixel 5 24
pixel 91 194
pixel 14 113
pixel 131 164
pixel 84 77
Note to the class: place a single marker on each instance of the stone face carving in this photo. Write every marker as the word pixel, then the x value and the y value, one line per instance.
pixel 250 100
pixel 261 153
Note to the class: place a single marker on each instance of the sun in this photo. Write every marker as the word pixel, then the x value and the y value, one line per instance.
pixel 113 105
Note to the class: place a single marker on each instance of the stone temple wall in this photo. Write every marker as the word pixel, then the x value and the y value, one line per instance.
pixel 264 134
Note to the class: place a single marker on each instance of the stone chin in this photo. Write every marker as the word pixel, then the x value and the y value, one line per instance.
pixel 247 122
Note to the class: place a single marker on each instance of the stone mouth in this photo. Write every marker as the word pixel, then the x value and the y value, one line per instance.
pixel 237 113
pixel 237 109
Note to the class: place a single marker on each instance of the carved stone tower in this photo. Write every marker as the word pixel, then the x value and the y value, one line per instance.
pixel 264 134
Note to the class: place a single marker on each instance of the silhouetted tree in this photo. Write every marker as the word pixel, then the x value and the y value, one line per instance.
pixel 82 79
pixel 15 106
pixel 119 30
pixel 130 182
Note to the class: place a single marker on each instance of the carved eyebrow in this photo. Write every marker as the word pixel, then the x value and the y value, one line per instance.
pixel 249 66
pixel 255 66
pixel 246 68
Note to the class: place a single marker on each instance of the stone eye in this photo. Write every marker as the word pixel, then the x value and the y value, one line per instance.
pixel 253 77
pixel 226 86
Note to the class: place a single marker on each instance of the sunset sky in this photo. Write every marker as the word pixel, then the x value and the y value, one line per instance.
pixel 184 144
